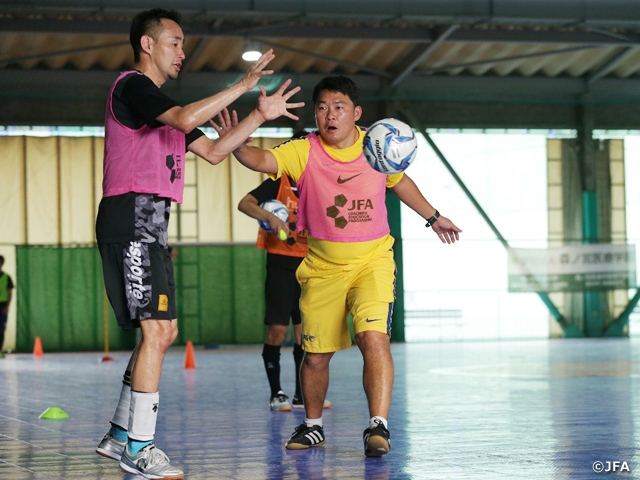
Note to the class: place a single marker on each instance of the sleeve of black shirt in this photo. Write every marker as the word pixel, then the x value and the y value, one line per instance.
pixel 138 101
pixel 267 190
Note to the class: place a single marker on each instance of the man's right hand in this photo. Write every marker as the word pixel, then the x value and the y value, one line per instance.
pixel 257 71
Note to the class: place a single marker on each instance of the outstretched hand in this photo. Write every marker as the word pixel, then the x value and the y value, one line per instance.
pixel 447 232
pixel 257 71
pixel 275 105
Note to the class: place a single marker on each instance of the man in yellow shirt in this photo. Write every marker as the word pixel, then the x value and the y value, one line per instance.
pixel 350 266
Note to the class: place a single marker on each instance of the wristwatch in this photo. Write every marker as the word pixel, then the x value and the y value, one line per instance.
pixel 432 220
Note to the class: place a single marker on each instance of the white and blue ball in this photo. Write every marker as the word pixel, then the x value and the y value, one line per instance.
pixel 276 207
pixel 390 146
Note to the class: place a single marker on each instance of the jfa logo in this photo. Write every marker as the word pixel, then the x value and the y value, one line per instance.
pixel 607 467
pixel 361 204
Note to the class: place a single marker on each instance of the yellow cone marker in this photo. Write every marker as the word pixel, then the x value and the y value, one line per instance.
pixel 282 235
pixel 54 413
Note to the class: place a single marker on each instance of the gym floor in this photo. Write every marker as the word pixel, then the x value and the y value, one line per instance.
pixel 547 409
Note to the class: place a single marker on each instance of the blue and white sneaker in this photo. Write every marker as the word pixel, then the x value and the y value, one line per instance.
pixel 111 447
pixel 150 462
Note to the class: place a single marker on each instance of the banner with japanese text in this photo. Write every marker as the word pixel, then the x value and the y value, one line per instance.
pixel 572 268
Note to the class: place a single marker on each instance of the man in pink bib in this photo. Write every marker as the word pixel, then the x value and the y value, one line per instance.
pixel 350 266
pixel 147 135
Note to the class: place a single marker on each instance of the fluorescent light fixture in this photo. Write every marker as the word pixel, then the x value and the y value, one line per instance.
pixel 251 51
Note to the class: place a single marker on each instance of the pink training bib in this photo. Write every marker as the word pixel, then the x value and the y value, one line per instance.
pixel 146 160
pixel 341 201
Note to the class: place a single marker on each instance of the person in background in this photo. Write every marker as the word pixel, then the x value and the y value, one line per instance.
pixel 282 291
pixel 6 293
pixel 147 135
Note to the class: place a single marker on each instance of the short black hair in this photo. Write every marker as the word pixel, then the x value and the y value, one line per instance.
pixel 1 259
pixel 340 84
pixel 149 23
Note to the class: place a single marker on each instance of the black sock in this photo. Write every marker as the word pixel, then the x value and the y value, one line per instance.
pixel 271 357
pixel 298 355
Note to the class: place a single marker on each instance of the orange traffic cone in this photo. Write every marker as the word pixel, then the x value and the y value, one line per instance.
pixel 37 348
pixel 190 358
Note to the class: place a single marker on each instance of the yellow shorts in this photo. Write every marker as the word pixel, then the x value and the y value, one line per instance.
pixel 331 291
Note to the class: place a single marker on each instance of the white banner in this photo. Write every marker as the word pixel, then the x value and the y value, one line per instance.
pixel 572 268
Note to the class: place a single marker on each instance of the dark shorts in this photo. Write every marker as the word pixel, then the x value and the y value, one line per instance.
pixel 3 317
pixel 138 273
pixel 282 295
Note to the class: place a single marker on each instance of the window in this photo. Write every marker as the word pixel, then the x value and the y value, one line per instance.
pixel 460 291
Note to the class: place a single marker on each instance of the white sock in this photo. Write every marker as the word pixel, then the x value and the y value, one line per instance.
pixel 372 422
pixel 142 415
pixel 313 421
pixel 121 415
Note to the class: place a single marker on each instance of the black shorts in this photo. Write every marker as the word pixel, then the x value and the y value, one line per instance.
pixel 282 292
pixel 138 273
pixel 3 318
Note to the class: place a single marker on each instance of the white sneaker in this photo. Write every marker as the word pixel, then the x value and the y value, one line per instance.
pixel 280 402
pixel 150 462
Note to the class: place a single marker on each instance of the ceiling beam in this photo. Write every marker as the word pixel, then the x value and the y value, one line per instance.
pixel 74 85
pixel 490 61
pixel 610 65
pixel 324 58
pixel 71 51
pixel 597 13
pixel 336 31
pixel 420 58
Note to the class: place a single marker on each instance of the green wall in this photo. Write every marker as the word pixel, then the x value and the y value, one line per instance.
pixel 61 298
pixel 220 296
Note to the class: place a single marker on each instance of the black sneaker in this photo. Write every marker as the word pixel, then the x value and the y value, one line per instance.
pixel 305 437
pixel 298 404
pixel 377 440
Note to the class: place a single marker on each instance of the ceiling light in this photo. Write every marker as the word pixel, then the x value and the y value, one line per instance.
pixel 251 51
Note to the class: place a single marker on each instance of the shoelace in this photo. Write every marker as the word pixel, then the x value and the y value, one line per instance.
pixel 301 428
pixel 156 456
pixel 378 423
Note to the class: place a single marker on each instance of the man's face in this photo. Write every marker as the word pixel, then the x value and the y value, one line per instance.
pixel 336 117
pixel 166 52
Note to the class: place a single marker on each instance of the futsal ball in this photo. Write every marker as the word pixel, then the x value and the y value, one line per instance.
pixel 276 207
pixel 390 146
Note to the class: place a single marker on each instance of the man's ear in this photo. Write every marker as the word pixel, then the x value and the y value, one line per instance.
pixel 145 42
pixel 357 112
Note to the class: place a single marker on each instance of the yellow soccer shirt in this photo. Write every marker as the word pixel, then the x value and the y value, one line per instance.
pixel 292 158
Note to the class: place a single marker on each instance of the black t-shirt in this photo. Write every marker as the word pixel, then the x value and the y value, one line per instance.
pixel 138 101
pixel 267 190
